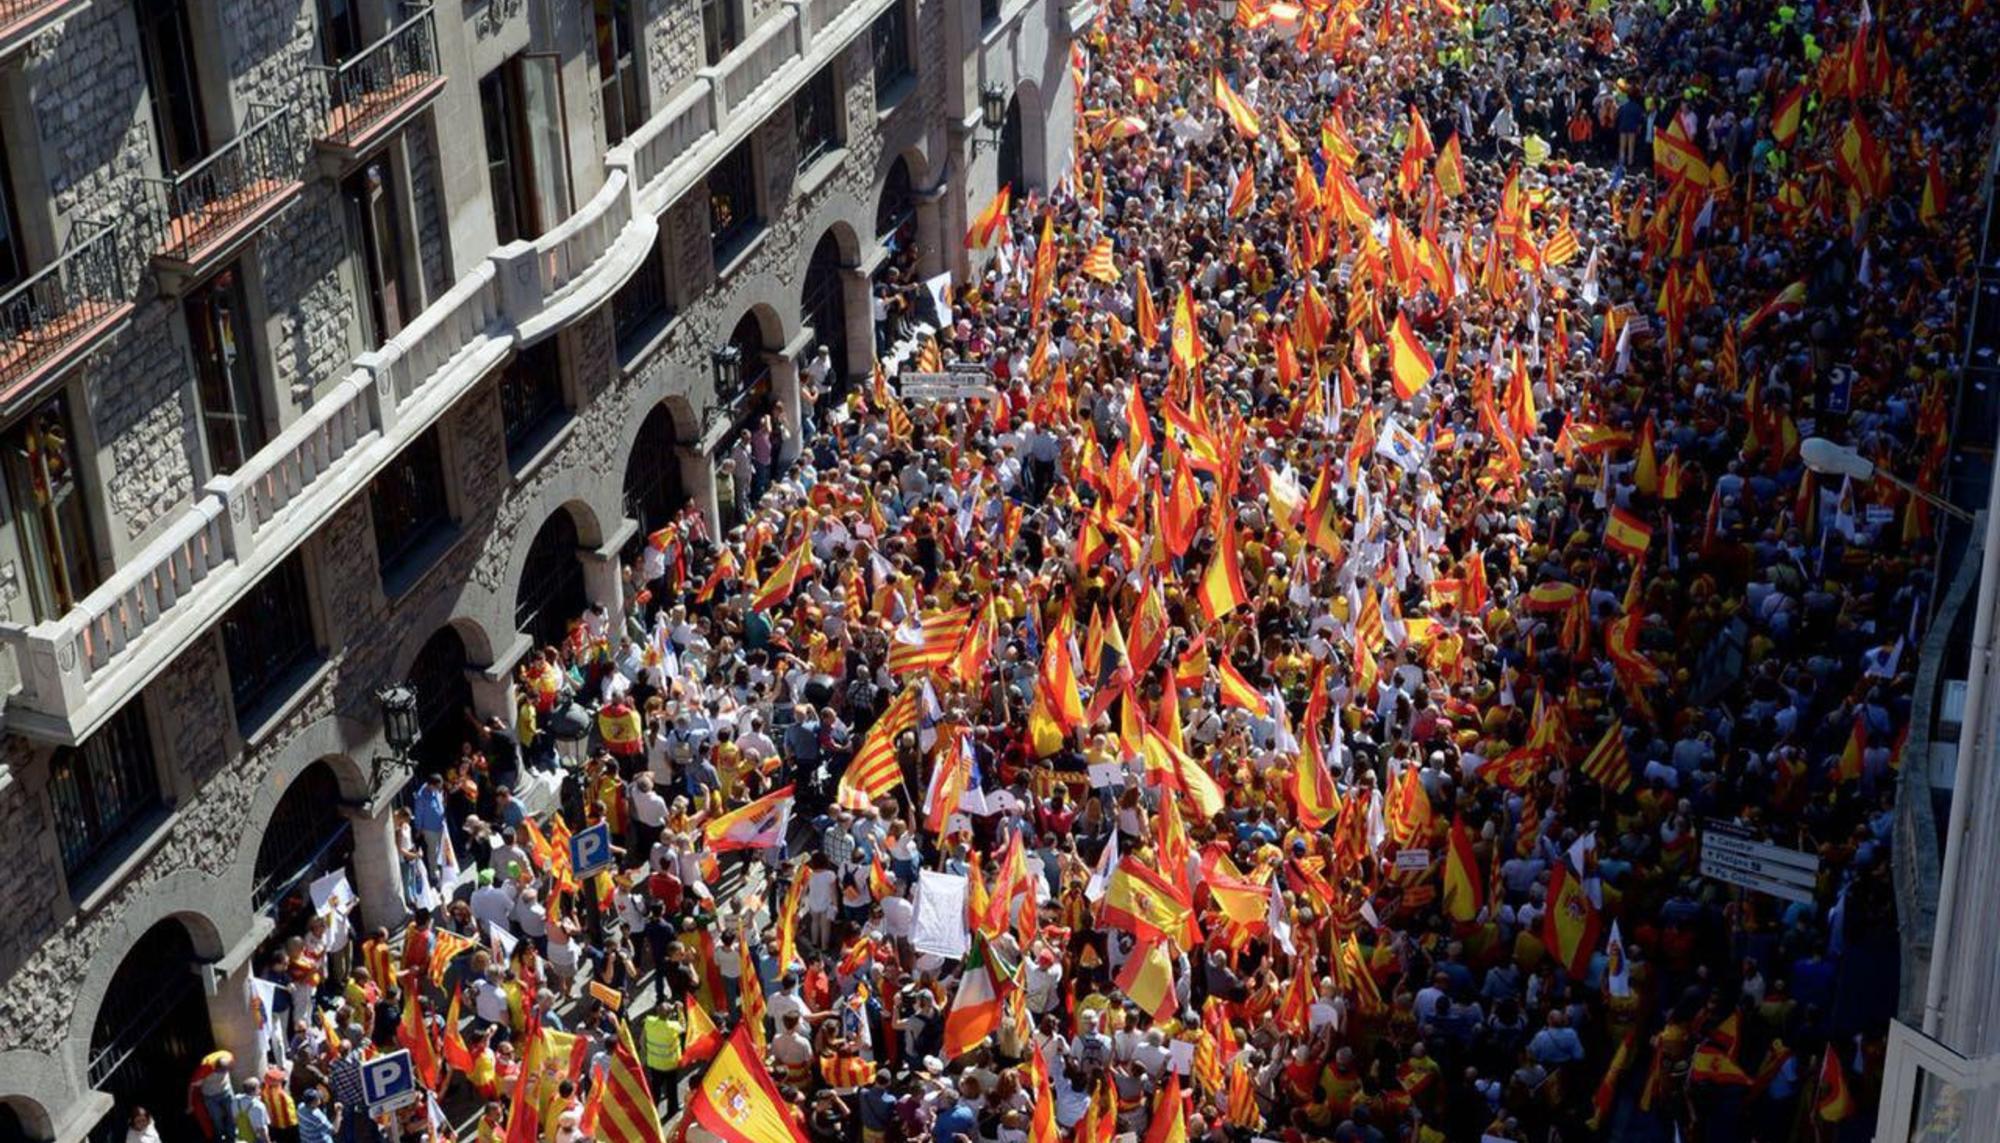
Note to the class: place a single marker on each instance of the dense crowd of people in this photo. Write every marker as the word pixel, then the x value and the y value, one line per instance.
pixel 1287 704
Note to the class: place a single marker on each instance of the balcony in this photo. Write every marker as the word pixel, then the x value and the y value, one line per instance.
pixel 23 20
pixel 77 669
pixel 215 207
pixel 379 92
pixel 54 319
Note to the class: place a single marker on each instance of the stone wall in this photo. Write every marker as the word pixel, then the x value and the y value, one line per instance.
pixel 269 45
pixel 427 197
pixel 148 444
pixel 84 82
pixel 674 46
pixel 311 309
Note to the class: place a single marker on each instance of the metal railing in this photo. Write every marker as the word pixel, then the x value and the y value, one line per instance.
pixel 362 91
pixel 205 201
pixel 50 311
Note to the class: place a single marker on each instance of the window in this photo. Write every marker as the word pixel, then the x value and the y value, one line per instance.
pixel 166 49
pixel 617 71
pixel 218 320
pixel 816 117
pixel 641 302
pixel 13 256
pixel 99 789
pixel 339 31
pixel 719 29
pixel 892 52
pixel 520 109
pixel 408 502
pixel 732 203
pixel 375 237
pixel 989 12
pixel 267 636
pixel 48 510
pixel 531 399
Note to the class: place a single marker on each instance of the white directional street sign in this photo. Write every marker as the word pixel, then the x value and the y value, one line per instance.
pixel 1733 856
pixel 957 385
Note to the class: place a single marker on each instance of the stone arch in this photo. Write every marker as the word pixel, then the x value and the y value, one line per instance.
pixel 829 295
pixel 23 1119
pixel 333 741
pixel 436 672
pixel 148 1021
pixel 549 590
pixel 652 489
pixel 1022 160
pixel 304 837
pixel 896 196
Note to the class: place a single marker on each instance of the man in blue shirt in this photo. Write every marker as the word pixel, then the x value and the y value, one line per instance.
pixel 428 816
pixel 314 1126
pixel 954 1119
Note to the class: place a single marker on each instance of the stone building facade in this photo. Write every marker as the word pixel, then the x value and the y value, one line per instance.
pixel 345 342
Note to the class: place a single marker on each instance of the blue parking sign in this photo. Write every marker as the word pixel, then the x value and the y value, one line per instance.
pixel 590 850
pixel 388 1082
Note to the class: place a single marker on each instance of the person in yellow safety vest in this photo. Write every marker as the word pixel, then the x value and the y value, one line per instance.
pixel 663 1036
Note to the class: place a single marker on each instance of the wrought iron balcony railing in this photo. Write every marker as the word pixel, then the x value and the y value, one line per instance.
pixel 22 20
pixel 214 206
pixel 60 314
pixel 382 87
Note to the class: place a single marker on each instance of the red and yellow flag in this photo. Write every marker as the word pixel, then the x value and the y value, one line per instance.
pixel 626 1112
pixel 1410 365
pixel 990 221
pixel 1221 590
pixel 737 1100
pixel 1626 533
pixel 1570 926
pixel 1463 887
pixel 1233 106
pixel 1833 1103
pixel 1786 116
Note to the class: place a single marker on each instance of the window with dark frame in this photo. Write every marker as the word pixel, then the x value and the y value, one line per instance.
pixel 732 202
pixel 408 503
pixel 268 635
pixel 720 31
pixel 13 254
pixel 641 303
pixel 531 399
pixel 617 70
pixel 375 236
pixel 497 117
pixel 166 50
pixel 339 31
pixel 816 118
pixel 52 518
pixel 891 36
pixel 989 12
pixel 232 420
pixel 99 789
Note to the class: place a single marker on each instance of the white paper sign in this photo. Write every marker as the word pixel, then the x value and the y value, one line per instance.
pixel 1413 860
pixel 1106 774
pixel 940 921
pixel 1182 1058
pixel 332 892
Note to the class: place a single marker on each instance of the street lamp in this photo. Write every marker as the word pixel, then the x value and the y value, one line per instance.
pixel 1829 459
pixel 401 727
pixel 992 116
pixel 727 362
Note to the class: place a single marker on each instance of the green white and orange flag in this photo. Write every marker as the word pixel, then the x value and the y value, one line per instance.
pixel 975 1009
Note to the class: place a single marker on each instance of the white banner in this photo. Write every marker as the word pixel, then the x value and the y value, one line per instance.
pixel 940 921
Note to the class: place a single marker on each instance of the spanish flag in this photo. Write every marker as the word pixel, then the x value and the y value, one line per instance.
pixel 1042 1126
pixel 759 825
pixel 1184 346
pixel 703 1039
pixel 1221 590
pixel 413 1032
pixel 991 220
pixel 1449 170
pixel 1148 979
pixel 1243 195
pixel 1169 1116
pixel 1569 926
pixel 1462 892
pixel 737 1100
pixel 1785 117
pixel 1410 365
pixel 796 566
pixel 1236 690
pixel 1833 1103
pixel 1626 533
pixel 1849 767
pixel 1233 106
pixel 1313 791
pixel 1141 902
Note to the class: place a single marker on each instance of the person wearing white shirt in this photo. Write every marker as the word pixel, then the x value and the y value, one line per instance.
pixel 491 904
pixel 532 918
pixel 489 998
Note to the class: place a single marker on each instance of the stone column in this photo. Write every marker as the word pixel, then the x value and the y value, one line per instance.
pixel 698 477
pixel 857 291
pixel 603 582
pixel 933 221
pixel 785 392
pixel 378 868
pixel 232 1020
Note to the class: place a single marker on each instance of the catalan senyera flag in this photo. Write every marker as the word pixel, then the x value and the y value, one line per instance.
pixel 1143 903
pixel 991 219
pixel 1860 161
pixel 737 1100
pixel 1786 116
pixel 930 644
pixel 1569 927
pixel 1608 763
pixel 874 773
pixel 1098 264
pixel 1221 590
pixel 794 568
pixel 626 1111
pixel 1833 1103
pixel 1233 106
pixel 759 825
pixel 1410 365
pixel 1624 532
pixel 1463 887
